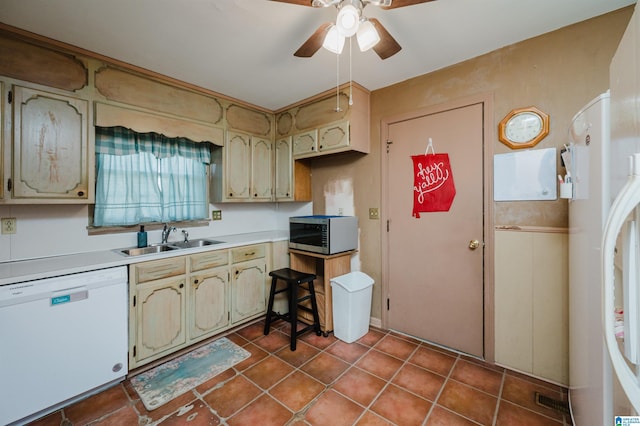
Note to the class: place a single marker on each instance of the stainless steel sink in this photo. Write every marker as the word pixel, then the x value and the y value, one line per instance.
pixel 196 243
pixel 137 251
pixel 178 245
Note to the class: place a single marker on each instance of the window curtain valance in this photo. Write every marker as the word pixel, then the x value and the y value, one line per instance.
pixel 122 141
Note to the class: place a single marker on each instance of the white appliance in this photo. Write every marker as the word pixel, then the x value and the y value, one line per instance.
pixel 61 339
pixel 588 166
pixel 604 271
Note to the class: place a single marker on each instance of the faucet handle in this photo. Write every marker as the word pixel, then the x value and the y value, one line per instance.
pixel 186 235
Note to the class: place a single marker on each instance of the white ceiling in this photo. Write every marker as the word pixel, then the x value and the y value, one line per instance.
pixel 244 48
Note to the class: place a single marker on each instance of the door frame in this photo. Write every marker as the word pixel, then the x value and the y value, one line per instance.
pixel 488 226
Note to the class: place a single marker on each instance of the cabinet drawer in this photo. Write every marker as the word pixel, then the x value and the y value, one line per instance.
pixel 209 260
pixel 241 254
pixel 157 269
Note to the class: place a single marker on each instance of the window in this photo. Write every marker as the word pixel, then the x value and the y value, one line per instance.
pixel 147 177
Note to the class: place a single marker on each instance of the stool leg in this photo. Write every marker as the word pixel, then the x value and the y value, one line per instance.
pixel 293 313
pixel 272 293
pixel 314 307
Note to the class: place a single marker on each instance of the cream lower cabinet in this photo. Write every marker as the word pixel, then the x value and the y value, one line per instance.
pixel 248 282
pixel 531 303
pixel 179 301
pixel 157 318
pixel 208 295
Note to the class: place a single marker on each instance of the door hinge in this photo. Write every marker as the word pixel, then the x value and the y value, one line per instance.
pixel 387 303
pixel 10 96
pixel 9 185
pixel 389 145
pixel 134 351
pixel 387 225
pixel 134 301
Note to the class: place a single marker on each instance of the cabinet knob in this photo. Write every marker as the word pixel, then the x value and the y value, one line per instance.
pixel 231 194
pixel 80 193
pixel 195 281
pixel 181 285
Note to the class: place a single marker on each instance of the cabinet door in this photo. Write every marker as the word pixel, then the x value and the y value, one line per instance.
pixel 2 139
pixel 261 169
pixel 159 317
pixel 284 170
pixel 305 143
pixel 237 166
pixel 248 290
pixel 333 137
pixel 50 146
pixel 208 302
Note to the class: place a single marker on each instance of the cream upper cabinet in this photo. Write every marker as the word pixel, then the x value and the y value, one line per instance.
pixel 305 143
pixel 333 137
pixel 283 170
pixel 261 169
pixel 248 168
pixel 328 123
pixel 237 166
pixel 51 153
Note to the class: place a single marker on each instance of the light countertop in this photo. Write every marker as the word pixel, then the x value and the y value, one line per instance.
pixel 34 269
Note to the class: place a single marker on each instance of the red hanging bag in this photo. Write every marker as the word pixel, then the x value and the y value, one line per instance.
pixel 433 187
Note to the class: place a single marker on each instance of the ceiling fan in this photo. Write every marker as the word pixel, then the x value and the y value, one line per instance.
pixel 370 33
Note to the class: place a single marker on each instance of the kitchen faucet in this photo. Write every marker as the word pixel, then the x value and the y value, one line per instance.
pixel 166 231
pixel 186 235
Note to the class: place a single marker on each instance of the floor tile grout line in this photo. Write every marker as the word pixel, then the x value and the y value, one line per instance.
pixel 497 410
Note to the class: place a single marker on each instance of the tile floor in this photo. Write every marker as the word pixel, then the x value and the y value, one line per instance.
pixel 382 379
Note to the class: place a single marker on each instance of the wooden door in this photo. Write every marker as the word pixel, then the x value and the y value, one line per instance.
pixel 435 279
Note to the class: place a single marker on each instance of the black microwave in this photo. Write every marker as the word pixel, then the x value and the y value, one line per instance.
pixel 323 234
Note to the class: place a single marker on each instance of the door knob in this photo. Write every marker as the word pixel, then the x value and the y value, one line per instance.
pixel 474 244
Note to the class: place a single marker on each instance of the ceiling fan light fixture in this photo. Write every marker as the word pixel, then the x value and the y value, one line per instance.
pixel 348 20
pixel 333 41
pixel 323 3
pixel 382 3
pixel 367 35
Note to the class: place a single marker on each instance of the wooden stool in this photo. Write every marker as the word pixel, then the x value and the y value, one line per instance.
pixel 293 280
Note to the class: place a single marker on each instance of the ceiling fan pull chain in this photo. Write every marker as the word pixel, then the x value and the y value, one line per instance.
pixel 337 82
pixel 350 76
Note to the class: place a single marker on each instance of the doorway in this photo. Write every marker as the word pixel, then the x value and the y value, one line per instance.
pixel 434 267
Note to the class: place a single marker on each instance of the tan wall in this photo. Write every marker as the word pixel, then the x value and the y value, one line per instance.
pixel 558 72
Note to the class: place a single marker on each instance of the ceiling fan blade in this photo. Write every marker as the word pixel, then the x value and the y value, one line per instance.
pixel 298 2
pixel 402 3
pixel 387 46
pixel 313 43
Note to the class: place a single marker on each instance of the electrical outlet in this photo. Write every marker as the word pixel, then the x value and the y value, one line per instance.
pixel 340 211
pixel 8 225
pixel 373 213
pixel 216 214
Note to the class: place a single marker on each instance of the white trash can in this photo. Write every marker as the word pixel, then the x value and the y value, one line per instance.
pixel 351 305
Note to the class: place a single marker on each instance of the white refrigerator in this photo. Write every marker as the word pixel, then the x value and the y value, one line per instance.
pixel 604 256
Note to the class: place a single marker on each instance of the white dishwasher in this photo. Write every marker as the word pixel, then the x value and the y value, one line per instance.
pixel 61 339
